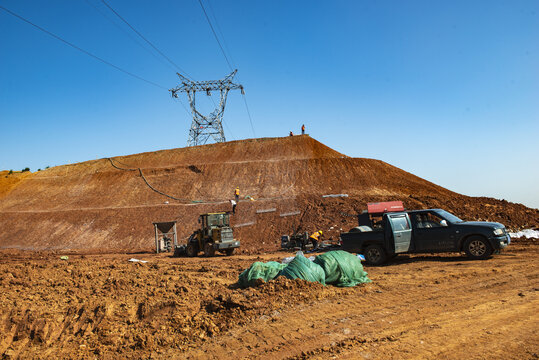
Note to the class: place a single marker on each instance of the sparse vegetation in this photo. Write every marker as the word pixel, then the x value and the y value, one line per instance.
pixel 25 169
pixel 10 172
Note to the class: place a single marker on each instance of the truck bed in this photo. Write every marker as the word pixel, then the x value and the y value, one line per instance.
pixel 353 241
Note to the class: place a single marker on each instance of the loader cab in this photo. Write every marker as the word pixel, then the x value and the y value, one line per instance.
pixel 213 221
pixel 214 234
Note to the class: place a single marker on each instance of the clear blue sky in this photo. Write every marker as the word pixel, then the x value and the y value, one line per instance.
pixel 447 90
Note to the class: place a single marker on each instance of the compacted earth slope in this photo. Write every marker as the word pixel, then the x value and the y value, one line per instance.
pixel 109 204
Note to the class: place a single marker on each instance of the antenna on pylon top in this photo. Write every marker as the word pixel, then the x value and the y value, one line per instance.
pixel 211 126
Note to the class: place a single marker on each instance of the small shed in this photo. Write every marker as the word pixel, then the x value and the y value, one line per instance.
pixel 166 239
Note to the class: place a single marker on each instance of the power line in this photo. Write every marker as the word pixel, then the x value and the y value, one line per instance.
pixel 143 38
pixel 214 34
pixel 248 114
pixel 221 33
pixel 80 49
pixel 226 58
pixel 128 34
pixel 136 41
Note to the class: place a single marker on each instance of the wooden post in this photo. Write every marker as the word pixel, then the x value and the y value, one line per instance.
pixel 175 237
pixel 156 239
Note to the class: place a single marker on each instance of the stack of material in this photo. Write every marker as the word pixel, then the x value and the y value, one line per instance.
pixel 260 271
pixel 342 268
pixel 338 268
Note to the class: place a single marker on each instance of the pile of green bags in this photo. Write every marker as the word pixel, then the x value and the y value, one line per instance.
pixel 259 270
pixel 303 268
pixel 342 268
pixel 339 268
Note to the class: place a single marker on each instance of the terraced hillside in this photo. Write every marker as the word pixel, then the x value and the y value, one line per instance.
pixel 109 204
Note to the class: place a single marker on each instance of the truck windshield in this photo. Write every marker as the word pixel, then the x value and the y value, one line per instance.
pixel 448 216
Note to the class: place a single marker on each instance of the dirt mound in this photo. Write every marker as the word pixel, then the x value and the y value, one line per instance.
pixel 109 204
pixel 10 179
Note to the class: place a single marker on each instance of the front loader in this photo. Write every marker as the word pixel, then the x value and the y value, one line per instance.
pixel 214 234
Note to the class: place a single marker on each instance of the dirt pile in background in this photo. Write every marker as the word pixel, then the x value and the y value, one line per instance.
pixel 106 205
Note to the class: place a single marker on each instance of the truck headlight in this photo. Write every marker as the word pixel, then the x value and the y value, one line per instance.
pixel 498 232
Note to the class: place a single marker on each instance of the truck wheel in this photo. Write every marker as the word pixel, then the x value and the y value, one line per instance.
pixel 478 248
pixel 375 255
pixel 229 252
pixel 191 250
pixel 209 250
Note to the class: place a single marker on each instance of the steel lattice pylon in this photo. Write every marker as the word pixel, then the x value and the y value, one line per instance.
pixel 204 127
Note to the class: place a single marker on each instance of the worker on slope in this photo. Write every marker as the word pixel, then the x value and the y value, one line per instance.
pixel 233 203
pixel 315 238
pixel 303 129
pixel 237 194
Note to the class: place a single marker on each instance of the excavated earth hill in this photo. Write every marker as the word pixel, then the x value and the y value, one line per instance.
pixel 109 204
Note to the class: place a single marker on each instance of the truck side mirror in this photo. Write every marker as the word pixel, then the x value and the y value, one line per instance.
pixel 443 223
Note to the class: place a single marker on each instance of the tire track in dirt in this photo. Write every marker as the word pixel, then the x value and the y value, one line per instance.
pixel 436 322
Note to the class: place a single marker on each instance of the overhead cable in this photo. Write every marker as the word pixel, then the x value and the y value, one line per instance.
pixel 226 58
pixel 143 38
pixel 214 34
pixel 80 49
pixel 249 114
pixel 160 59
pixel 212 12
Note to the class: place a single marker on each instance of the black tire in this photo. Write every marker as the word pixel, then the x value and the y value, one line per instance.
pixel 192 249
pixel 375 255
pixel 209 250
pixel 229 252
pixel 477 248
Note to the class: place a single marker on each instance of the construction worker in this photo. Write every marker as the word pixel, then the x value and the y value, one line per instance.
pixel 233 203
pixel 291 133
pixel 237 194
pixel 315 237
pixel 303 129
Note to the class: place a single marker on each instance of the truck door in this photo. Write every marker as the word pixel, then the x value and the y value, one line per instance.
pixel 402 231
pixel 430 235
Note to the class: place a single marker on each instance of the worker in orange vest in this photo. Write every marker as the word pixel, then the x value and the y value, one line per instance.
pixel 237 194
pixel 303 129
pixel 315 237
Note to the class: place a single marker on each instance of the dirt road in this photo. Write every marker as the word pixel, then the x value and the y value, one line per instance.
pixel 418 307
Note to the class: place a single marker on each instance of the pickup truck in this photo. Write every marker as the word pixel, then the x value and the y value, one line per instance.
pixel 424 231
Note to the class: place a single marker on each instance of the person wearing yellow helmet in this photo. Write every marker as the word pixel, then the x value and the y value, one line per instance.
pixel 237 194
pixel 315 238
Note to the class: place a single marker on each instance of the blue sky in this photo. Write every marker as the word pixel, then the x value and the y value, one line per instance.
pixel 447 90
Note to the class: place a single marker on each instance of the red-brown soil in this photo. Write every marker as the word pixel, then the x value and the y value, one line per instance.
pixel 96 304
pixel 94 205
pixel 417 307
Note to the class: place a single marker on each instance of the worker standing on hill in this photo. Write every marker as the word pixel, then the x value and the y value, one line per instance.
pixel 291 133
pixel 303 129
pixel 233 203
pixel 315 238
pixel 237 194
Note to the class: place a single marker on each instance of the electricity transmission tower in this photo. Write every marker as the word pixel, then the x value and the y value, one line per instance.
pixel 204 127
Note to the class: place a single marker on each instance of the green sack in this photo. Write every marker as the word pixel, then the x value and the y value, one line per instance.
pixel 303 268
pixel 342 268
pixel 259 270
